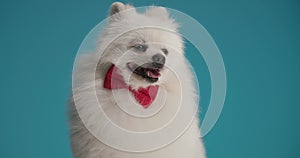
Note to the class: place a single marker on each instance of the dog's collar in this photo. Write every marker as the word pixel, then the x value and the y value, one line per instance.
pixel 144 96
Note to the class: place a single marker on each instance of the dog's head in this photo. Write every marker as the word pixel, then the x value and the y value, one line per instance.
pixel 143 46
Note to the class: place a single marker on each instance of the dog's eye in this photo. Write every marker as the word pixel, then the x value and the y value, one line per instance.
pixel 165 51
pixel 140 47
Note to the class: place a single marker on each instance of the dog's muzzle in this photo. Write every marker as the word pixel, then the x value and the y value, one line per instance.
pixel 149 71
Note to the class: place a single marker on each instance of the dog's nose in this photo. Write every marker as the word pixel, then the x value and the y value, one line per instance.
pixel 159 59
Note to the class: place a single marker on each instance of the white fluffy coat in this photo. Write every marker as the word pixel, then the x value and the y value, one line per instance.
pixel 124 18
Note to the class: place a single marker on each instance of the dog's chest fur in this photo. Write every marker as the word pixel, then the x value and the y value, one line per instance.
pixel 85 145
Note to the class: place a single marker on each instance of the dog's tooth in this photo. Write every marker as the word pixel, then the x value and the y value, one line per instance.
pixel 148 73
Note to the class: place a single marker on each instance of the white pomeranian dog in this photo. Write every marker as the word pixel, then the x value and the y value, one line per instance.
pixel 143 84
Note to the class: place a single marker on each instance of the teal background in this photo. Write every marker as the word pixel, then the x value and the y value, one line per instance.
pixel 259 41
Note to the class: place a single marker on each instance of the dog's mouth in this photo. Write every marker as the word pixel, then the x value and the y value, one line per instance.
pixel 148 71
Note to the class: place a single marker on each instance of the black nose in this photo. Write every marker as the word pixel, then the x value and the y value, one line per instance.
pixel 159 59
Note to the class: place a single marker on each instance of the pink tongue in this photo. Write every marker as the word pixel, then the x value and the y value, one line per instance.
pixel 153 75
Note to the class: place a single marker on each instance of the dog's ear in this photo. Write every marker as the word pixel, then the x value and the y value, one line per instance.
pixel 157 12
pixel 120 10
pixel 116 7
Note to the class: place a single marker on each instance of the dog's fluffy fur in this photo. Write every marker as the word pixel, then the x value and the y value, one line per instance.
pixel 116 40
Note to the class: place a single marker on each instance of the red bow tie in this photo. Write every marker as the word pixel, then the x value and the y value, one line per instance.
pixel 144 96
